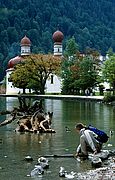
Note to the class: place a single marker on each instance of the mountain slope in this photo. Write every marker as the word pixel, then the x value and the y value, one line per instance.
pixel 91 22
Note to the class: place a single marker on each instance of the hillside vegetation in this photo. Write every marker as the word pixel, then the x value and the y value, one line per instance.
pixel 91 22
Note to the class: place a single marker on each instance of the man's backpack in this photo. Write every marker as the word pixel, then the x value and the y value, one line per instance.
pixel 102 136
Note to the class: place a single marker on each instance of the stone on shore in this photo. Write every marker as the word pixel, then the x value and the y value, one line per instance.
pixel 103 155
pixel 105 173
pixel 96 162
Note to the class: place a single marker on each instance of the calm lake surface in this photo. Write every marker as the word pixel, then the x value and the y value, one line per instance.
pixel 14 147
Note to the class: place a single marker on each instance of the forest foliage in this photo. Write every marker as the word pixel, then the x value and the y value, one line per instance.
pixel 90 22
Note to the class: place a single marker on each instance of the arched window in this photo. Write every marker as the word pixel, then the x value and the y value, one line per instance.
pixel 52 79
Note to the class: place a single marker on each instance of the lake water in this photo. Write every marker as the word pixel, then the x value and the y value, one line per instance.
pixel 14 147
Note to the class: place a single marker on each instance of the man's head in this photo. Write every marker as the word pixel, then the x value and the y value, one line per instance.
pixel 79 126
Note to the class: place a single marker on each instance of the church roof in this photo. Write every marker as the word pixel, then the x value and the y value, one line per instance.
pixel 12 62
pixel 25 41
pixel 58 36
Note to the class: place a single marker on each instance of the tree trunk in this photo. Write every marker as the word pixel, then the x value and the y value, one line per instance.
pixel 42 88
pixel 24 91
pixel 113 88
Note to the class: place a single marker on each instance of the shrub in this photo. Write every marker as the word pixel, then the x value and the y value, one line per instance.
pixel 109 98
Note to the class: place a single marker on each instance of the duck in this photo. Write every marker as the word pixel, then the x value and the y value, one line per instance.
pixel 67 129
pixel 111 132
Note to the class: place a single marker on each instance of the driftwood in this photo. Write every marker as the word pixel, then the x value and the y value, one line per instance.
pixel 5 112
pixel 30 118
pixel 96 160
pixel 7 121
pixel 11 119
pixel 59 156
pixel 38 123
pixel 25 106
pixel 22 111
pixel 104 154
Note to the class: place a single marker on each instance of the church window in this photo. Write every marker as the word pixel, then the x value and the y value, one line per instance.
pixel 52 79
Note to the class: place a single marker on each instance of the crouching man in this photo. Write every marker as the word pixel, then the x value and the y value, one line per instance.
pixel 88 141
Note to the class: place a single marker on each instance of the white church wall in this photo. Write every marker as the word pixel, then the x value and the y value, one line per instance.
pixel 10 89
pixel 54 87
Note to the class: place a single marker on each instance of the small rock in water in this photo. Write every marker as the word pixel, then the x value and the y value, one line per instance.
pixel 38 170
pixel 62 172
pixel 78 159
pixel 5 156
pixel 109 145
pixel 112 153
pixel 28 158
pixel 70 175
pixel 103 155
pixel 28 175
pixel 96 162
pixel 42 161
pixel 66 149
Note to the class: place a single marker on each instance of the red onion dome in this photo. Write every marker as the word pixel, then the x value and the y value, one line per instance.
pixel 12 62
pixel 25 41
pixel 58 36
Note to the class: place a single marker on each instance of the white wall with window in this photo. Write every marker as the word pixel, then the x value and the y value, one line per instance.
pixel 53 84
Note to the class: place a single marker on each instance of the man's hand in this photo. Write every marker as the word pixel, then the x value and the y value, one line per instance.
pixel 75 155
pixel 95 152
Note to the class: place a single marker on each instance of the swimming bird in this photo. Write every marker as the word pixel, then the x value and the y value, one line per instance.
pixel 111 132
pixel 67 129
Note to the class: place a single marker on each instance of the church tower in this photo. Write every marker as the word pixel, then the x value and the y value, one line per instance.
pixel 58 38
pixel 25 50
pixel 25 46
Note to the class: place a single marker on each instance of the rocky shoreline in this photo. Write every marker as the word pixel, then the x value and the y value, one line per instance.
pixel 103 165
pixel 107 172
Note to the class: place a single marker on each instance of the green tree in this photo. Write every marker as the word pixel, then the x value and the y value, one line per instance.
pixel 108 71
pixel 80 72
pixel 70 67
pixel 71 47
pixel 34 71
pixel 88 74
pixel 12 34
pixel 19 77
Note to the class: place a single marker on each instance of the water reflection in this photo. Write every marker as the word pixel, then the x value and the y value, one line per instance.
pixel 15 146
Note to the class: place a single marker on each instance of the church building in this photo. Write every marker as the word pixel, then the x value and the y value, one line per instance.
pixel 53 84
